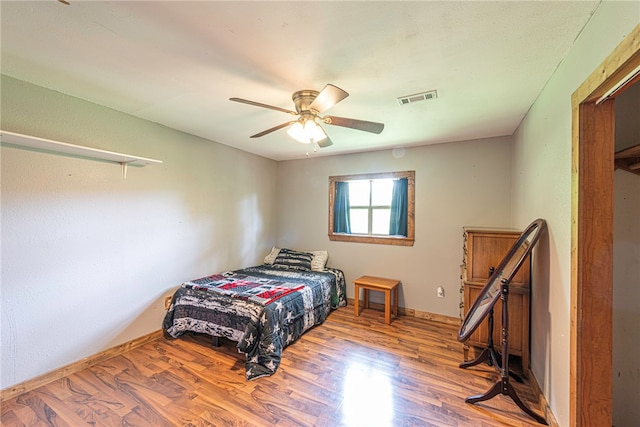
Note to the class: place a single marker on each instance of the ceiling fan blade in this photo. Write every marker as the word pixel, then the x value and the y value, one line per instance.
pixel 364 125
pixel 259 104
pixel 327 98
pixel 325 143
pixel 273 129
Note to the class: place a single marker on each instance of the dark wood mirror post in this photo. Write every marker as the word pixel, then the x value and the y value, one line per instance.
pixel 497 287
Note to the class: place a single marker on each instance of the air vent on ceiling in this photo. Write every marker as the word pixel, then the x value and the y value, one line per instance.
pixel 417 97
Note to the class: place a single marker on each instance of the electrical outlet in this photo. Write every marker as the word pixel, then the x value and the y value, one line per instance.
pixel 440 292
pixel 167 302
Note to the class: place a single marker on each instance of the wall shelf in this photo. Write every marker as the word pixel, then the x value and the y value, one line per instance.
pixel 57 147
pixel 629 159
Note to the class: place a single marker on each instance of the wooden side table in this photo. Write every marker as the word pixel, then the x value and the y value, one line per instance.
pixel 370 283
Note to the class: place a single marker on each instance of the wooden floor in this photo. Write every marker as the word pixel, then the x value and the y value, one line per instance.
pixel 349 371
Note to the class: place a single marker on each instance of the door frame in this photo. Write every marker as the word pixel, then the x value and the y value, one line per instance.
pixel 593 146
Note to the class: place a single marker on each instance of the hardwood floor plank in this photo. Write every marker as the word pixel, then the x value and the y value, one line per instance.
pixel 350 371
pixel 9 418
pixel 44 411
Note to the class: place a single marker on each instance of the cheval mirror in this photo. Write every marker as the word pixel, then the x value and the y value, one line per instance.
pixel 497 287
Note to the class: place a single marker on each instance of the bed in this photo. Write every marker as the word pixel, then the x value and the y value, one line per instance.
pixel 263 308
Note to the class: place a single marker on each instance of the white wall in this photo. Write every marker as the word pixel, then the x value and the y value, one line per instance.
pixel 542 188
pixel 457 184
pixel 87 256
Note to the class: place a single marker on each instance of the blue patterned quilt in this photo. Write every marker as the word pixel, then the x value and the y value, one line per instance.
pixel 262 308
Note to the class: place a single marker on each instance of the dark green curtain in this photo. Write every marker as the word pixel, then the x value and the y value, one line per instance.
pixel 399 202
pixel 341 222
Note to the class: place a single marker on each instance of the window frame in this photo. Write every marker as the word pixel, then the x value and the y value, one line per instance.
pixel 375 239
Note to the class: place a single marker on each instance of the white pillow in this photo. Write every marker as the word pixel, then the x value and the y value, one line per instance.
pixel 269 259
pixel 319 260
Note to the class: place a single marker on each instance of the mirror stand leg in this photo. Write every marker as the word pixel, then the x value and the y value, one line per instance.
pixel 511 392
pixel 489 354
pixel 503 386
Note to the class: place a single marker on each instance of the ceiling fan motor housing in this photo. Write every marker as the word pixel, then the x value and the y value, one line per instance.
pixel 303 99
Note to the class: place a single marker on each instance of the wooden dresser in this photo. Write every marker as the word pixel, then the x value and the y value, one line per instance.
pixel 484 249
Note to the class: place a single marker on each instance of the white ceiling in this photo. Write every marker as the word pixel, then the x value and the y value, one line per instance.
pixel 177 63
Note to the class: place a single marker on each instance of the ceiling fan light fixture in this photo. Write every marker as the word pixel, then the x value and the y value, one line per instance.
pixel 296 131
pixel 306 131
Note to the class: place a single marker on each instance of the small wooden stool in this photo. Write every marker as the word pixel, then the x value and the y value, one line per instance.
pixel 370 283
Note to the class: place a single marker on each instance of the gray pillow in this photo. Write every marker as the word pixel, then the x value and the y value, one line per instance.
pixel 293 260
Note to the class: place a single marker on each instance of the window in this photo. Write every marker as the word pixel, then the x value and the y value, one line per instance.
pixel 372 208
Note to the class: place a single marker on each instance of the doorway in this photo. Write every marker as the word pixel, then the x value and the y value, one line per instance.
pixel 593 145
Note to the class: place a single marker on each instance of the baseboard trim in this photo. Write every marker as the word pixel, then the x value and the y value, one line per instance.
pixel 74 367
pixel 402 311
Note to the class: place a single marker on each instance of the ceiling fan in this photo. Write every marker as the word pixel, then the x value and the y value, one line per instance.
pixel 309 105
